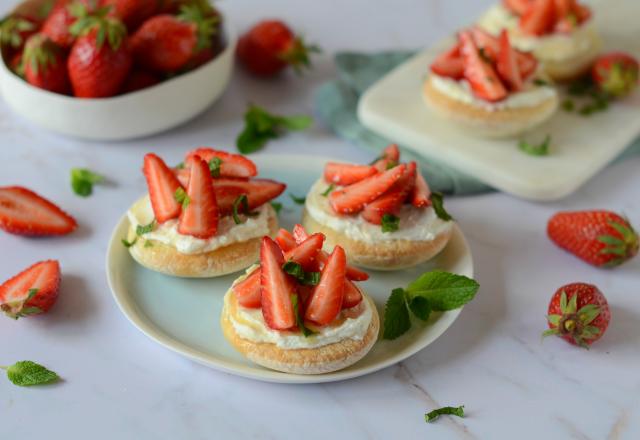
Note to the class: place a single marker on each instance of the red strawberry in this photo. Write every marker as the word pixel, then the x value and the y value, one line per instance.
pixel 199 216
pixel 388 159
pixel 64 14
pixel 539 18
pixel 139 80
pixel 449 64
pixel 131 12
pixel 16 65
pixel 98 66
pixel 327 297
pixel 392 200
pixel 306 252
pixel 15 31
pixel 35 11
pixel 162 186
pixel 601 238
pixel 270 47
pixel 508 64
pixel 166 43
pixel 32 292
pixel 23 212
pixel 518 7
pixel 299 233
pixel 276 288
pixel 258 192
pixel 45 65
pixel 527 63
pixel 479 72
pixel 421 195
pixel 616 73
pixel 352 199
pixel 231 165
pixel 247 291
pixel 346 173
pixel 285 240
pixel 579 314
pixel 352 295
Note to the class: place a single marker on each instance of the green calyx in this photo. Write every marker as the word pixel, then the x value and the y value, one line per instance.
pixel 619 80
pixel 620 249
pixel 40 53
pixel 574 322
pixel 108 29
pixel 206 21
pixel 298 55
pixel 11 30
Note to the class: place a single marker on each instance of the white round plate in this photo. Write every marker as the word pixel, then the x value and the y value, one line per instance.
pixel 183 314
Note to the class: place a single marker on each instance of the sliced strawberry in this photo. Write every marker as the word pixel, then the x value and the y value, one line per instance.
pixel 276 288
pixel 392 152
pixel 518 7
pixel 32 291
pixel 449 64
pixel 539 18
pixel 421 195
pixel 481 76
pixel 285 240
pixel 391 202
pixel 491 46
pixel 352 295
pixel 232 165
pixel 299 233
pixel 352 199
pixel 199 216
pixel 247 291
pixel 182 174
pixel 507 64
pixel 23 212
pixel 346 173
pixel 527 64
pixel 562 8
pixel 306 253
pixel 388 159
pixel 162 184
pixel 258 192
pixel 327 297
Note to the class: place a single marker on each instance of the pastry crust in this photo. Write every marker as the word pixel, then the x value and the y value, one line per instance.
pixel 488 123
pixel 383 255
pixel 222 261
pixel 572 68
pixel 325 359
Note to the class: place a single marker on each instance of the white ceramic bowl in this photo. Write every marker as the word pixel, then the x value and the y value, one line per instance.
pixel 129 116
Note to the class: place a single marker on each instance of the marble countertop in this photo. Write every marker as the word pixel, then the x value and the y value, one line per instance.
pixel 120 385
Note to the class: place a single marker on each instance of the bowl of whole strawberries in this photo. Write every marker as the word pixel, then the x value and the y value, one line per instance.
pixel 113 69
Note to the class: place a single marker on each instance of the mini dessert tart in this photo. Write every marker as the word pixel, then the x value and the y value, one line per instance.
pixel 560 33
pixel 383 214
pixel 204 218
pixel 300 311
pixel 488 87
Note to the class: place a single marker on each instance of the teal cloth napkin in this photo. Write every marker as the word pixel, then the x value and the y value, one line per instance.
pixel 336 104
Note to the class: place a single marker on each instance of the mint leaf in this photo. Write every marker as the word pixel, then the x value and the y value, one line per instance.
pixel 28 373
pixel 541 149
pixel 298 200
pixel 181 197
pixel 277 207
pixel 306 278
pixel 390 223
pixel 437 201
pixel 396 316
pixel 261 126
pixel 296 123
pixel 299 319
pixel 328 190
pixel 145 229
pixel 214 166
pixel 240 206
pixel 443 290
pixel 420 308
pixel 82 181
pixel 447 410
pixel 128 244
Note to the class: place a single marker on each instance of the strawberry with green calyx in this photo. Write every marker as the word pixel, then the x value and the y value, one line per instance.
pixel 45 65
pixel 100 59
pixel 579 314
pixel 616 74
pixel 602 238
pixel 65 13
pixel 131 12
pixel 14 32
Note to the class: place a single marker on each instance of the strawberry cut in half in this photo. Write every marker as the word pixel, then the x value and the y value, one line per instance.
pixel 306 252
pixel 285 240
pixel 199 217
pixel 276 288
pixel 482 78
pixel 327 297
pixel 31 292
pixel 162 184
pixel 449 64
pixel 527 63
pixel 346 173
pixel 23 212
pixel 508 64
pixel 230 165
pixel 247 291
pixel 391 202
pixel 352 295
pixel 258 192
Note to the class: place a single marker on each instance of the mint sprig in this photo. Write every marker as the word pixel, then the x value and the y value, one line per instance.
pixel 437 291
pixel 447 410
pixel 437 201
pixel 241 206
pixel 28 373
pixel 390 223
pixel 82 181
pixel 145 229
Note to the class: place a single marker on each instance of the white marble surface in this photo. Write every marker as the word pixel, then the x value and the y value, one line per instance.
pixel 120 385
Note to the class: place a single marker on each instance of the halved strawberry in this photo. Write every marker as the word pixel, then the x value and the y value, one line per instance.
pixel 391 201
pixel 347 173
pixel 507 64
pixel 527 63
pixel 286 240
pixel 276 288
pixel 232 165
pixel 352 295
pixel 199 216
pixel 481 76
pixel 327 297
pixel 247 291
pixel 162 184
pixel 258 192
pixel 539 18
pixel 306 252
pixel 32 292
pixel 23 212
pixel 421 195
pixel 518 7
pixel 449 64
pixel 182 174
pixel 352 199
pixel 388 159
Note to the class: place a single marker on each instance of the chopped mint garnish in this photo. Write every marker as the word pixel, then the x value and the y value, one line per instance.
pixel 214 166
pixel 447 410
pixel 298 200
pixel 128 244
pixel 299 319
pixel 180 166
pixel 437 201
pixel 328 190
pixel 28 373
pixel 141 230
pixel 277 207
pixel 241 206
pixel 390 223
pixel 82 181
pixel 306 278
pixel 181 197
pixel 541 149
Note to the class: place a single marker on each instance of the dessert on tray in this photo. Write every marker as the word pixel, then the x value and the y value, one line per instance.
pixel 489 87
pixel 300 310
pixel 383 214
pixel 203 219
pixel 560 33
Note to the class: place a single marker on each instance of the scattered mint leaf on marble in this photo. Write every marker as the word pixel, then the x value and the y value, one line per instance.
pixel 396 315
pixel 214 166
pixel 82 181
pixel 298 200
pixel 181 197
pixel 128 244
pixel 145 229
pixel 541 149
pixel 28 373
pixel 277 207
pixel 299 319
pixel 241 206
pixel 328 190
pixel 437 201
pixel 447 410
pixel 390 223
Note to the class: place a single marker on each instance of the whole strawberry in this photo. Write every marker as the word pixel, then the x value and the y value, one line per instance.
pixel 132 12
pixel 270 47
pixel 45 65
pixel 616 73
pixel 15 31
pixel 31 292
pixel 601 238
pixel 579 314
pixel 100 59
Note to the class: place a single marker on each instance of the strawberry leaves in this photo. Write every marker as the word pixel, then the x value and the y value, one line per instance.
pixel 573 321
pixel 262 126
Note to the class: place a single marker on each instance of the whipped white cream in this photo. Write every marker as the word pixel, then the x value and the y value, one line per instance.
pixel 416 224
pixel 249 324
pixel 141 213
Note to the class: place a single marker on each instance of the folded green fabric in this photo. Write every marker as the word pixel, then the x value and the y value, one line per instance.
pixel 337 101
